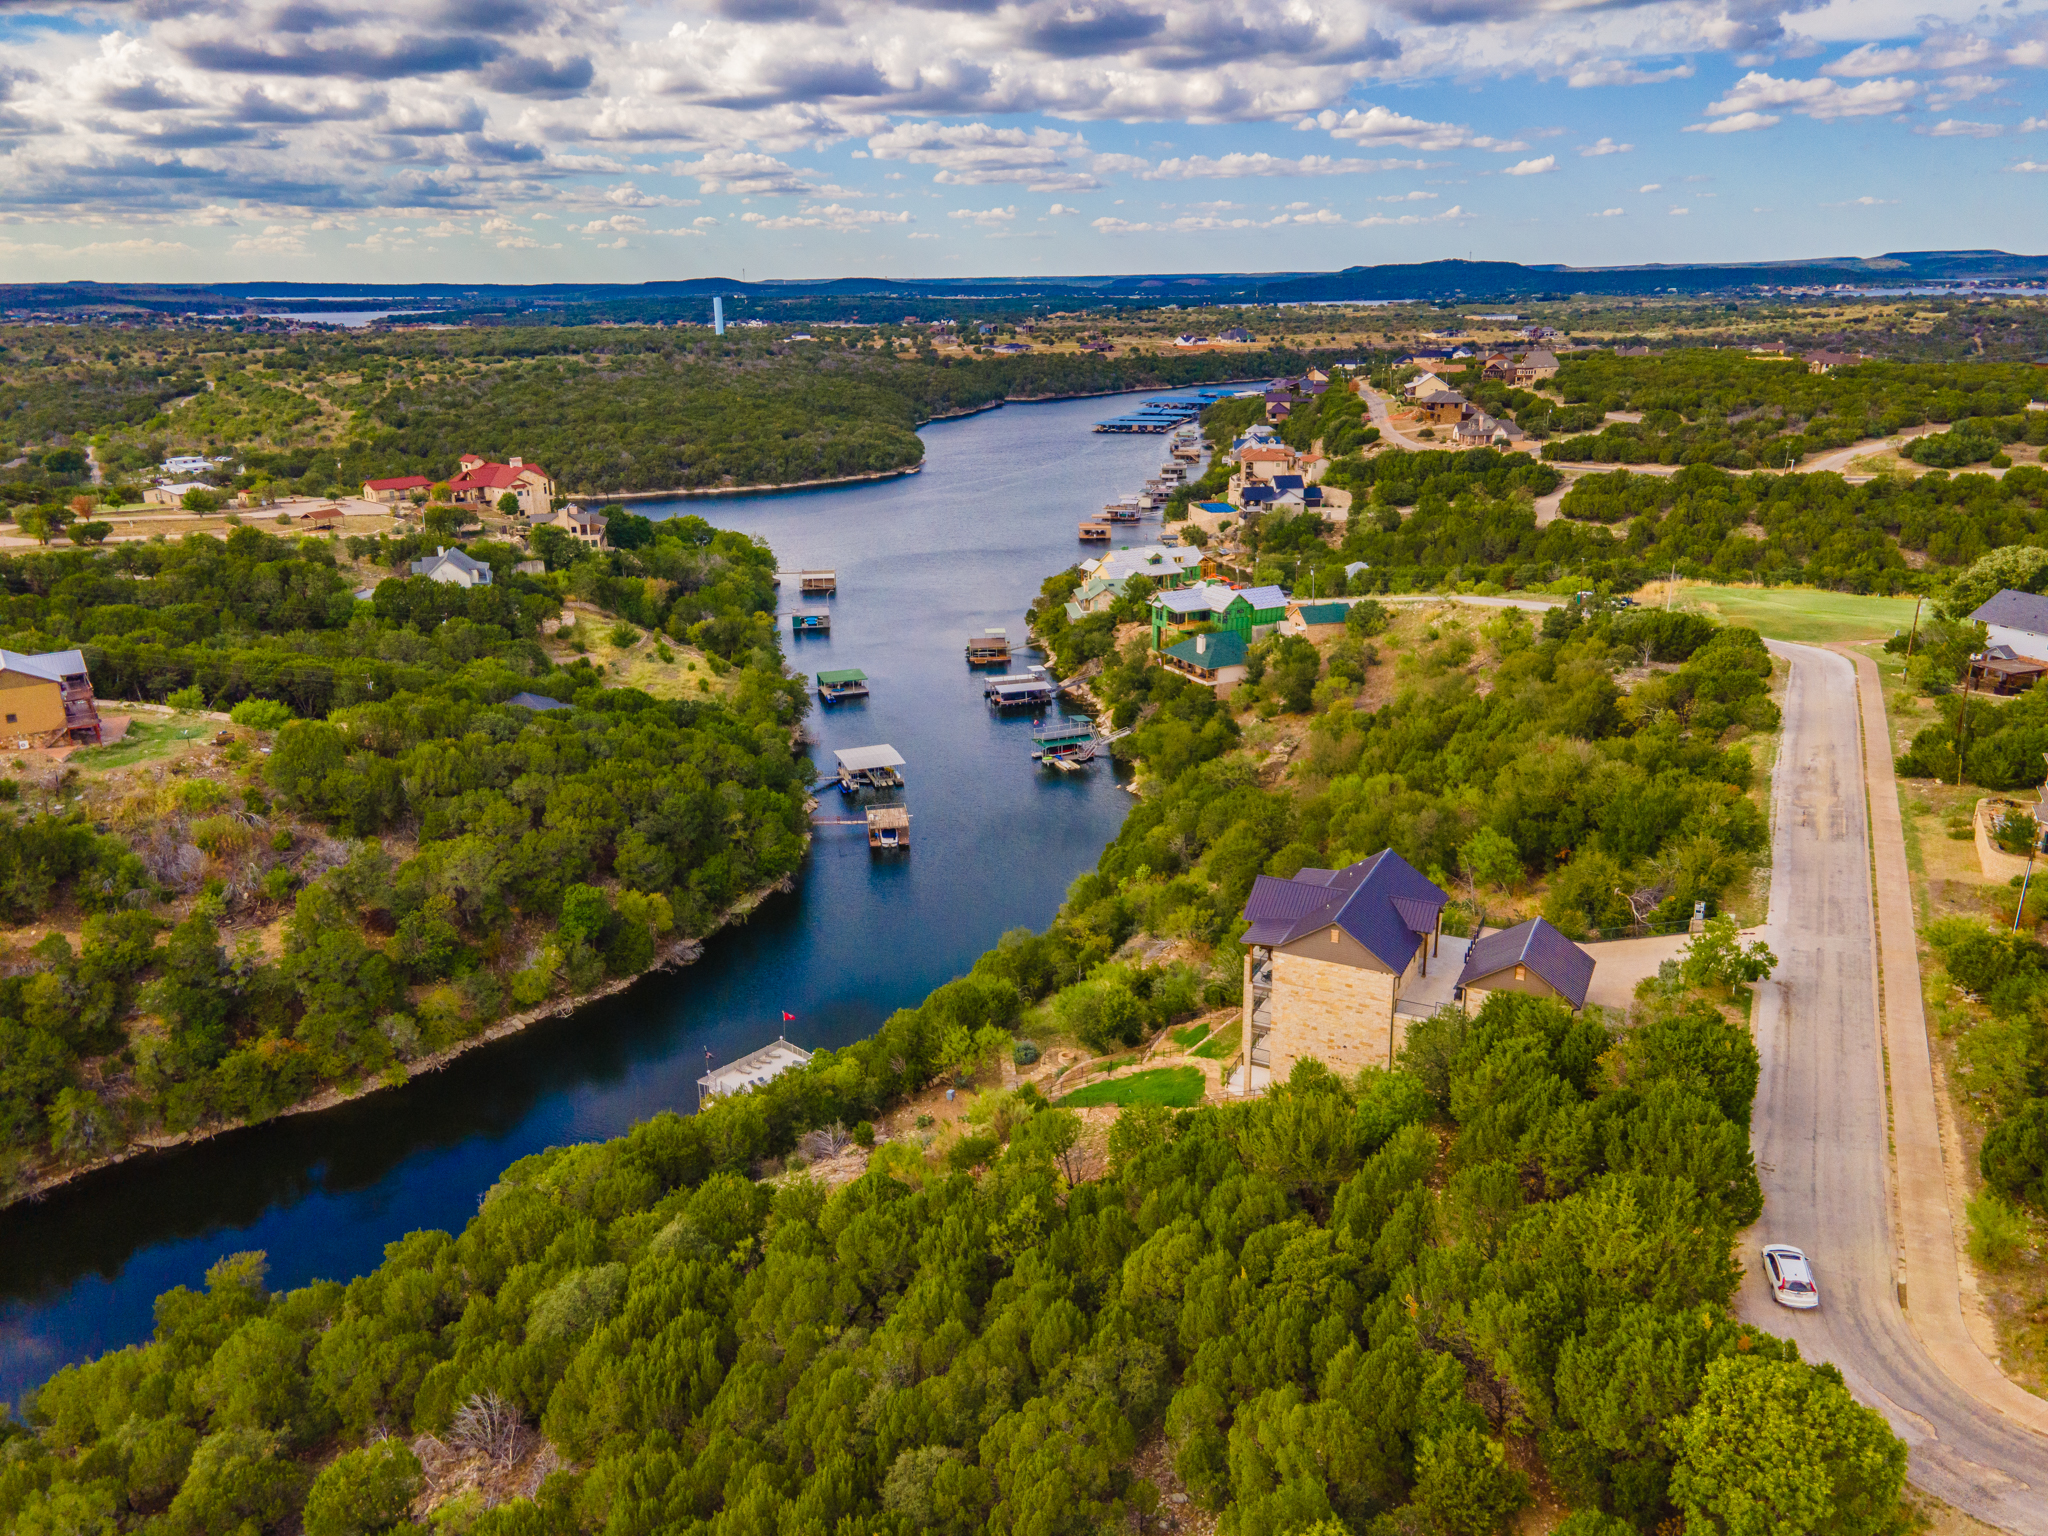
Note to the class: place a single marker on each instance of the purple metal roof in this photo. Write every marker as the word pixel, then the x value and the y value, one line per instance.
pixel 1542 949
pixel 1361 899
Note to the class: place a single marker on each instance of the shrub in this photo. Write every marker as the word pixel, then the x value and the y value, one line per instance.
pixel 363 1492
pixel 1998 1230
pixel 260 714
pixel 193 697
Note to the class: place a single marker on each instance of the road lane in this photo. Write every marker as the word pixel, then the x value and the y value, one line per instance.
pixel 1820 1127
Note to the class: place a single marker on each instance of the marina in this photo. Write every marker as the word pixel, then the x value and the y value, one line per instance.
pixel 846 683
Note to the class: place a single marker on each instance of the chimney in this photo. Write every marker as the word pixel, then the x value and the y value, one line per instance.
pixel 517 462
pixel 1201 645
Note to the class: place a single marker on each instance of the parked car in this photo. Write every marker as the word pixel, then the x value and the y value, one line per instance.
pixel 1791 1277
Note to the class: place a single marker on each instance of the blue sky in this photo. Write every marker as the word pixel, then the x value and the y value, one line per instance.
pixel 537 140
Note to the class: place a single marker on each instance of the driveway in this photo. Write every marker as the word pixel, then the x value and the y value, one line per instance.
pixel 1821 1127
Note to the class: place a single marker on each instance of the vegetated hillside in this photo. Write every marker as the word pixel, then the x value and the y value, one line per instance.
pixel 601 409
pixel 1744 411
pixel 1400 1302
pixel 406 860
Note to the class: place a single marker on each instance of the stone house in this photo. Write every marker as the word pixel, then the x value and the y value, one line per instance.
pixel 1328 957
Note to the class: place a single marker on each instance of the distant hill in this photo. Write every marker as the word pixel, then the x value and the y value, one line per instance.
pixel 686 298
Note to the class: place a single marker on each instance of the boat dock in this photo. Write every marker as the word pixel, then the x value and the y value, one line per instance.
pixel 990 648
pixel 754 1070
pixel 1095 531
pixel 888 827
pixel 810 623
pixel 1064 744
pixel 869 768
pixel 1025 692
pixel 818 583
pixel 847 683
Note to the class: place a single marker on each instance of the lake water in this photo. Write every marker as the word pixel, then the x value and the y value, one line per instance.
pixel 923 562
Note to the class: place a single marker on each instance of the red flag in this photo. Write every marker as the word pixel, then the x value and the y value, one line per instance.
pixel 789 1018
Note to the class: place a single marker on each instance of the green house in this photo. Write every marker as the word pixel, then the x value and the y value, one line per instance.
pixel 1252 609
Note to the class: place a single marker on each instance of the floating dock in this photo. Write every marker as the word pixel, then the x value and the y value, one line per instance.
pixel 1092 532
pixel 888 827
pixel 754 1070
pixel 818 583
pixel 990 648
pixel 847 683
pixel 1064 743
pixel 810 623
pixel 1021 692
pixel 869 768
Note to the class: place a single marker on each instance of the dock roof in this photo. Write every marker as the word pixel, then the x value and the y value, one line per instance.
pixel 843 675
pixel 754 1069
pixel 860 759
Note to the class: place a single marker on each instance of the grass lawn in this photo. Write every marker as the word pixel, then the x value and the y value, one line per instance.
pixel 1176 1087
pixel 1191 1036
pixel 1219 1046
pixel 149 736
pixel 1804 613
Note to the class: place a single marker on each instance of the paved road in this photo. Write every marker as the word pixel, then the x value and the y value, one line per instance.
pixel 1821 1128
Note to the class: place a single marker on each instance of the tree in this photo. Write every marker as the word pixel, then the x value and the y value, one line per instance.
pixel 1491 859
pixel 1464 1486
pixel 509 504
pixel 363 1492
pixel 1779 1448
pixel 201 500
pixel 440 521
pixel 89 533
pixel 1718 957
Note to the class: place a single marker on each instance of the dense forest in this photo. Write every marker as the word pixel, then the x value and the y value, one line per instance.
pixel 1405 1302
pixel 602 409
pixel 439 858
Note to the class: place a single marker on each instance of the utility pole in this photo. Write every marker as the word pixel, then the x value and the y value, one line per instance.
pixel 1915 634
pixel 1962 731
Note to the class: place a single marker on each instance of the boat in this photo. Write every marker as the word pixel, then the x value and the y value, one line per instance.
pixel 849 683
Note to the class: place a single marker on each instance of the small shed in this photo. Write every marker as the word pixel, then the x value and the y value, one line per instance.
pixel 1532 958
pixel 1318 621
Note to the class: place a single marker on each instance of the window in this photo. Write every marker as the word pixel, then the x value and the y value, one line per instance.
pixel 10 719
pixel 1521 973
pixel 1333 932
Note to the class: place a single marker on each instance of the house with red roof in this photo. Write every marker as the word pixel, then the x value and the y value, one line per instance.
pixel 398 488
pixel 482 483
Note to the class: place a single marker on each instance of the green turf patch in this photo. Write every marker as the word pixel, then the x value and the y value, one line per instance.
pixel 1191 1035
pixel 146 738
pixel 1176 1087
pixel 1803 613
pixel 1220 1046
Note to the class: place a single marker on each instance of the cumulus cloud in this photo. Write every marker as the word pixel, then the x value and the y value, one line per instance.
pixel 1959 128
pixel 833 216
pixel 977 154
pixel 1199 167
pixel 1608 213
pixel 987 218
pixel 1824 99
pixel 746 173
pixel 1382 127
pixel 1295 216
pixel 1618 72
pixel 1532 167
pixel 1604 146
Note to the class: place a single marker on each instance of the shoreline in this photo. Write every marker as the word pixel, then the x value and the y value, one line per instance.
pixel 674 955
pixel 618 498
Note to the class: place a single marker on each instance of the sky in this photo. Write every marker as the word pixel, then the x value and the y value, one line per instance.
pixel 549 140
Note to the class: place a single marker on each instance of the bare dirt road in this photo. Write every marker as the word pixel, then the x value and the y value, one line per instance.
pixel 1821 1126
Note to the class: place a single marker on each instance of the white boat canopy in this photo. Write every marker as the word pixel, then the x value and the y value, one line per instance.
pixel 861 759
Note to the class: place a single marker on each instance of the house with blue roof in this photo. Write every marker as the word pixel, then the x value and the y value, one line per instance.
pixel 1329 955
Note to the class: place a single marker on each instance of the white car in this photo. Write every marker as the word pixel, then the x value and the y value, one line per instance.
pixel 1790 1277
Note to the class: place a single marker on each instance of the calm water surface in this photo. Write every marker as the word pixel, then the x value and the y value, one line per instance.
pixel 923 562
